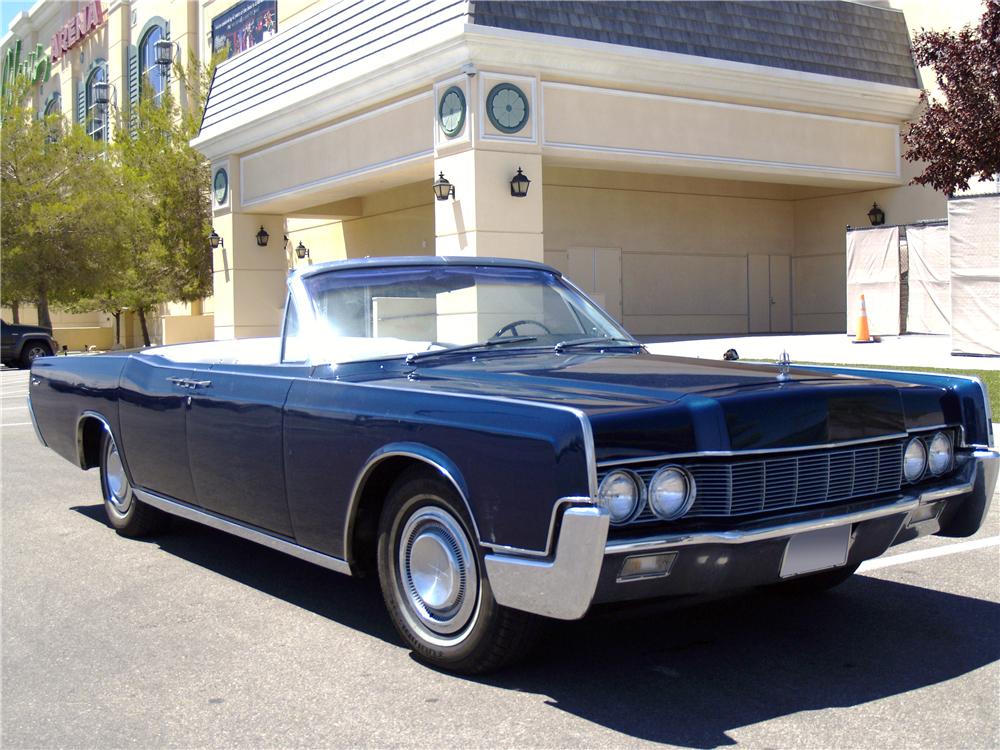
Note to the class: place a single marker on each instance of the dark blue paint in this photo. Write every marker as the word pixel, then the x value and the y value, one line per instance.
pixel 282 447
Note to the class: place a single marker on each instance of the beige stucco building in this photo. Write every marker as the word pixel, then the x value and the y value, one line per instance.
pixel 693 165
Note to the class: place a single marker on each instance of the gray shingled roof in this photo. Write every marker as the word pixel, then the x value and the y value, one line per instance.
pixel 832 37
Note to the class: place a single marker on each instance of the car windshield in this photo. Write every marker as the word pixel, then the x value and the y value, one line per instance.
pixel 368 313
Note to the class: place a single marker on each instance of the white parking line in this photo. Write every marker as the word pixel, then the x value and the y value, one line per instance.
pixel 925 554
pixel 14 424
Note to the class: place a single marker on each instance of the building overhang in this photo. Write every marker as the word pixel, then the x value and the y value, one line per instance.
pixel 445 50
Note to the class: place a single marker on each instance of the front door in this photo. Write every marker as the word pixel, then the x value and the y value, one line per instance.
pixel 769 283
pixel 234 434
pixel 152 411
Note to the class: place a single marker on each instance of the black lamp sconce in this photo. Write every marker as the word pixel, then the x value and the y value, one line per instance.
pixel 442 188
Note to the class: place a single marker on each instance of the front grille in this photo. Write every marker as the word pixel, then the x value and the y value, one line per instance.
pixel 749 486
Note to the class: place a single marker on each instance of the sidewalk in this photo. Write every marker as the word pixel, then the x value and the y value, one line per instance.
pixel 912 350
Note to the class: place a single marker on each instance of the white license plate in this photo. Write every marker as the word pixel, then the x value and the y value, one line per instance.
pixel 816 550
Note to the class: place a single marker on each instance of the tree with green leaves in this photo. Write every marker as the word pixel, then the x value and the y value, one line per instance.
pixel 163 203
pixel 957 137
pixel 54 181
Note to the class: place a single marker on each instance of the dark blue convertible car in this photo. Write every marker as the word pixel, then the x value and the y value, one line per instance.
pixel 496 449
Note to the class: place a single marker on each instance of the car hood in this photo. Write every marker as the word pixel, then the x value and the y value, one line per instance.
pixel 645 404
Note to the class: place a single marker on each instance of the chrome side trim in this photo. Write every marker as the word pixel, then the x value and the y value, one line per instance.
pixel 686 539
pixel 34 423
pixel 417 452
pixel 561 587
pixel 81 454
pixel 242 530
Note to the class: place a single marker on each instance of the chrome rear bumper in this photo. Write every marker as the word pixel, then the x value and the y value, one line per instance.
pixel 563 586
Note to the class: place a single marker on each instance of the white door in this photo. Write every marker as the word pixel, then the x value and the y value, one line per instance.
pixel 598 271
pixel 781 293
pixel 769 288
pixel 759 293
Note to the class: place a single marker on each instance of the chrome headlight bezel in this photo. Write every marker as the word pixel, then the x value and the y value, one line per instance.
pixel 689 492
pixel 640 492
pixel 918 444
pixel 949 453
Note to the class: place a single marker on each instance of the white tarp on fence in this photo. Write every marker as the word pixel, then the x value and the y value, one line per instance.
pixel 974 224
pixel 873 270
pixel 929 305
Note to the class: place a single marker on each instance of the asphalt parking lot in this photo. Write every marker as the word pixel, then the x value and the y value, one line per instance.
pixel 199 639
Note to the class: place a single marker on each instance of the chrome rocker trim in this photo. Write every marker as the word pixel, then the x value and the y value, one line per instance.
pixel 241 530
pixel 563 585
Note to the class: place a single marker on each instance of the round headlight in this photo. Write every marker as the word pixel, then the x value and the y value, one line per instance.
pixel 619 494
pixel 671 492
pixel 939 454
pixel 914 460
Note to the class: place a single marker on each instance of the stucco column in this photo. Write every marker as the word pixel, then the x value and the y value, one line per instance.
pixel 248 281
pixel 484 219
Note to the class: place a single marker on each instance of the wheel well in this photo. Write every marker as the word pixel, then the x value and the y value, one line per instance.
pixel 89 446
pixel 363 549
pixel 25 343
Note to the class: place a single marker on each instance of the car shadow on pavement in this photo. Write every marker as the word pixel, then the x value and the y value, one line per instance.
pixel 356 603
pixel 688 675
pixel 685 672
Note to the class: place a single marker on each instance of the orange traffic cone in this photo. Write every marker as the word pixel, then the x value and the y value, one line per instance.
pixel 864 335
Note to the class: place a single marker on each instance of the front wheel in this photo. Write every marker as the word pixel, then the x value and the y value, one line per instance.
pixel 32 351
pixel 126 513
pixel 434 585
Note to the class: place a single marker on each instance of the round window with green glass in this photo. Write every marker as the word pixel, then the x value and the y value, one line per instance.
pixel 221 186
pixel 507 107
pixel 451 111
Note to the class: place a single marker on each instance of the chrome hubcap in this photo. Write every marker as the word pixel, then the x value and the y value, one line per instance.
pixel 118 491
pixel 437 572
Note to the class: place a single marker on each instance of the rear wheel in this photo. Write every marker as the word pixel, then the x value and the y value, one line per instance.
pixel 126 513
pixel 815 583
pixel 32 351
pixel 433 582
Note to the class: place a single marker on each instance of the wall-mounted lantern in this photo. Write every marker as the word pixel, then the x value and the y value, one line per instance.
pixel 443 188
pixel 164 53
pixel 876 215
pixel 215 241
pixel 101 92
pixel 301 251
pixel 519 184
pixel 262 237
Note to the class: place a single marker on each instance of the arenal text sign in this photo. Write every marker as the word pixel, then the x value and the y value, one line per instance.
pixel 77 28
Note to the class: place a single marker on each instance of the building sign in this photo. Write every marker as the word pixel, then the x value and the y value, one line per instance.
pixel 35 67
pixel 244 25
pixel 77 28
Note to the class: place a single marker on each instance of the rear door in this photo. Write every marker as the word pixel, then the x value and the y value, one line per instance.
pixel 152 409
pixel 234 439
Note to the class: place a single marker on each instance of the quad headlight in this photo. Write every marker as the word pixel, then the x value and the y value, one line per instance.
pixel 914 460
pixel 939 454
pixel 671 492
pixel 619 493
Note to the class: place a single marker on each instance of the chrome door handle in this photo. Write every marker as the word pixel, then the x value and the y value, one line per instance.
pixel 188 383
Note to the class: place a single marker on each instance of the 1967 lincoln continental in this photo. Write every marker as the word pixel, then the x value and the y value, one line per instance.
pixel 496 448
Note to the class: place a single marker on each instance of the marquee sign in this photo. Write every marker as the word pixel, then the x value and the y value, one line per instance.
pixel 77 28
pixel 35 66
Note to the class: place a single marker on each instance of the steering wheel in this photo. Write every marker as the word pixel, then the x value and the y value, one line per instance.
pixel 512 327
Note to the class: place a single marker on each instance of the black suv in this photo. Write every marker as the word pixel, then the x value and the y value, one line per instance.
pixel 24 344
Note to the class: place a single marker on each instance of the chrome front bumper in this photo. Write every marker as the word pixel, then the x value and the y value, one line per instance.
pixel 563 586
